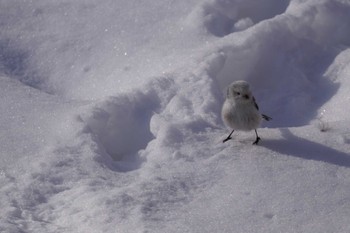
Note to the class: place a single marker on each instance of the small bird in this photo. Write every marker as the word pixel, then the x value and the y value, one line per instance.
pixel 240 111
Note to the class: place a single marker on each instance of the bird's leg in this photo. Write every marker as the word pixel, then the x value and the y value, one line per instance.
pixel 228 137
pixel 257 138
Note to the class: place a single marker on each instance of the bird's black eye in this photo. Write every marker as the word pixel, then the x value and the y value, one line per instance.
pixel 237 93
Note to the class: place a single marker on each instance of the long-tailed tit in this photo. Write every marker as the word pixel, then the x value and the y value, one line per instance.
pixel 240 111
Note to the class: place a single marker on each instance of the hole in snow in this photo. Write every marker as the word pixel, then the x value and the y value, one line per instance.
pixel 122 125
pixel 223 17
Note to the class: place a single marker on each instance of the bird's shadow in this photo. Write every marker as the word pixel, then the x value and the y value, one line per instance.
pixel 306 149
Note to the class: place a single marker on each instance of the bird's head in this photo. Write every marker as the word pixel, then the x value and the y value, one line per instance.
pixel 239 92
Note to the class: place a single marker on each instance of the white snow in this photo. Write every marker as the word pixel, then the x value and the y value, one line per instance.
pixel 110 116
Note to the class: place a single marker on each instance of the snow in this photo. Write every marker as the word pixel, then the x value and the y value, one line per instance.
pixel 110 116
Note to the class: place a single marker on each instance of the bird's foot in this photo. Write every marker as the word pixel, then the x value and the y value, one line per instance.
pixel 256 141
pixel 226 139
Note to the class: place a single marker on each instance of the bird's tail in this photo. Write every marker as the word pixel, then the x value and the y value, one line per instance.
pixel 266 118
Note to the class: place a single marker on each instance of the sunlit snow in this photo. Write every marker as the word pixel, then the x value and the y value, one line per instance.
pixel 110 116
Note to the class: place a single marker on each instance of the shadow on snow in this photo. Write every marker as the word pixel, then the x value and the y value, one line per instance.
pixel 306 149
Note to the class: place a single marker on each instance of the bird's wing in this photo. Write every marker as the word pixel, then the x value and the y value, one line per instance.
pixel 255 104
pixel 265 117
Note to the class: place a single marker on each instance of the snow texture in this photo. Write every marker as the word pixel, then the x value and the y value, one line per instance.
pixel 110 116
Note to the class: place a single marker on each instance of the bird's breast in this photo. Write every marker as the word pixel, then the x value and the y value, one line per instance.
pixel 243 117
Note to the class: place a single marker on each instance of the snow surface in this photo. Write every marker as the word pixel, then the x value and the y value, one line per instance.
pixel 110 116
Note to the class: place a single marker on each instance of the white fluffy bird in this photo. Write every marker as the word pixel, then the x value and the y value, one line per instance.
pixel 240 111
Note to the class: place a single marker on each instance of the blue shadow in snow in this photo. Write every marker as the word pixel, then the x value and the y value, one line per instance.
pixel 14 62
pixel 306 149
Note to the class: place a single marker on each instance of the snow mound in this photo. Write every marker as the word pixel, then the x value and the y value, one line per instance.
pixel 337 108
pixel 285 59
pixel 221 18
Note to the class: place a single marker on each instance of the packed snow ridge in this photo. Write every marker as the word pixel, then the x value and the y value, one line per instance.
pixel 111 116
